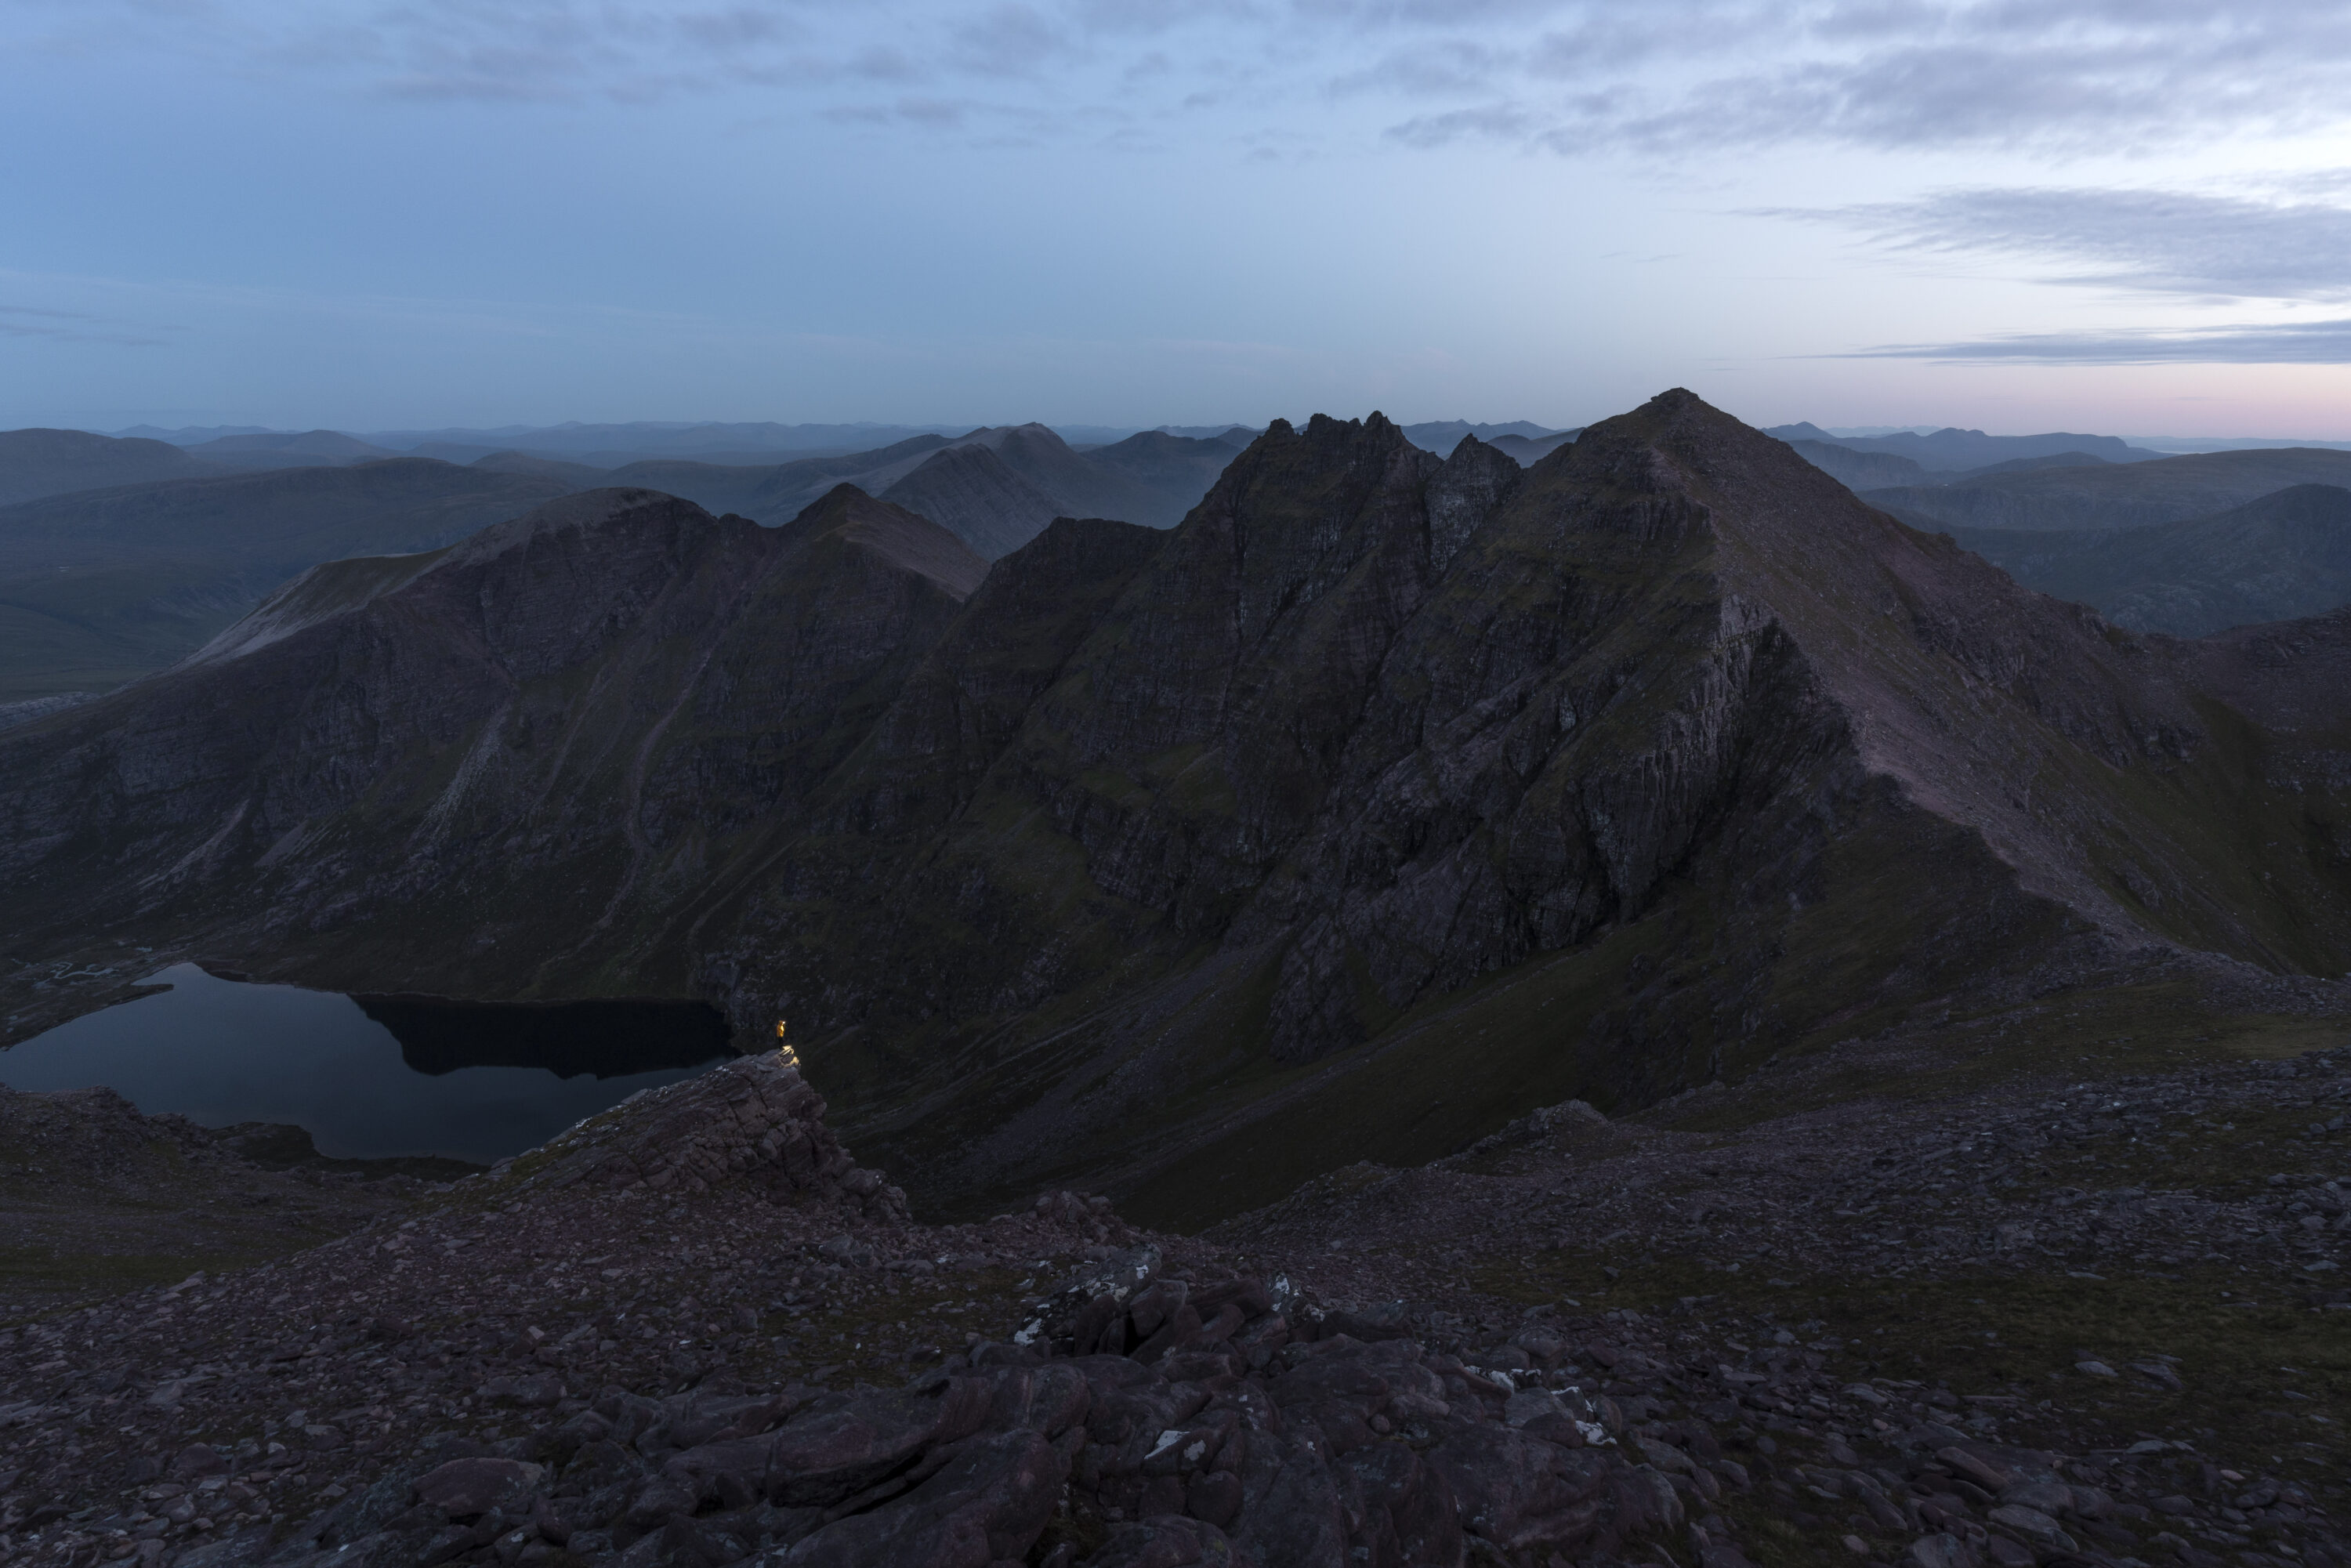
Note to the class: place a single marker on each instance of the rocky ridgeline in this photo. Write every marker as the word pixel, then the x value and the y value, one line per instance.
pixel 756 1121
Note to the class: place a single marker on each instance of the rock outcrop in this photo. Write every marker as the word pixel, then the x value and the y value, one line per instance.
pixel 1167 1420
pixel 754 1120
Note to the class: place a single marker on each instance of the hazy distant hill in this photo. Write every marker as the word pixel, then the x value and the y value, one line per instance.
pixel 1151 478
pixel 1953 450
pixel 37 462
pixel 2284 556
pixel 1442 435
pixel 715 486
pixel 703 441
pixel 792 487
pixel 99 587
pixel 579 474
pixel 2115 495
pixel 975 495
pixel 311 449
pixel 1174 471
pixel 1861 470
pixel 1524 450
pixel 1882 470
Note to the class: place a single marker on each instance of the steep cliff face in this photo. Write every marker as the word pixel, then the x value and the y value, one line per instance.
pixel 1381 800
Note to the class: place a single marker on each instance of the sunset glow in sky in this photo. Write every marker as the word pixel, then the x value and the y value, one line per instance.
pixel 2130 216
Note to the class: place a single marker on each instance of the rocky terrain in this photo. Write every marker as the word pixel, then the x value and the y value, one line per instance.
pixel 2043 1320
pixel 1381 801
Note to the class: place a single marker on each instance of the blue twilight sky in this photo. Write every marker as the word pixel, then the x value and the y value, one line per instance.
pixel 2119 215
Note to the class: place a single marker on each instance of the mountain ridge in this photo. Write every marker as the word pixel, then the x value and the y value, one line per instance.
pixel 1599 778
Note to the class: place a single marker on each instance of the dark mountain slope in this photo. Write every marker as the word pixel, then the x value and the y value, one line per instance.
pixel 2117 495
pixel 2285 555
pixel 99 587
pixel 1645 722
pixel 1381 801
pixel 975 495
pixel 38 463
pixel 511 737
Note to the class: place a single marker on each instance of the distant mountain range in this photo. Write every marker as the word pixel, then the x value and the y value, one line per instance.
pixel 37 462
pixel 2081 495
pixel 74 617
pixel 112 578
pixel 755 443
pixel 2285 555
pixel 1954 449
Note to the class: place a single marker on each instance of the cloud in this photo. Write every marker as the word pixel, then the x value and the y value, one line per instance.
pixel 1503 121
pixel 2158 242
pixel 68 326
pixel 2289 343
pixel 1684 78
pixel 2067 76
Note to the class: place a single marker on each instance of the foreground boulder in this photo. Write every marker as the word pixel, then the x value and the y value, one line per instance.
pixel 1148 1419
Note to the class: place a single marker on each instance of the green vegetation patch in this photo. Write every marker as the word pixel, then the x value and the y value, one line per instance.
pixel 2264 1375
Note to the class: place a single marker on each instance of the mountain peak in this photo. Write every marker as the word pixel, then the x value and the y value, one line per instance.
pixel 902 537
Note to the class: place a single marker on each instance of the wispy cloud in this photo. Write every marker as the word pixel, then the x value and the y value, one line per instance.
pixel 2064 75
pixel 2160 242
pixel 2291 343
pixel 1683 76
pixel 70 327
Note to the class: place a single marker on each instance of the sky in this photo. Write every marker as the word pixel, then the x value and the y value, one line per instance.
pixel 2128 216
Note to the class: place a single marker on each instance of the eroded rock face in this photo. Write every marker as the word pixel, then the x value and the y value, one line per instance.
pixel 755 1121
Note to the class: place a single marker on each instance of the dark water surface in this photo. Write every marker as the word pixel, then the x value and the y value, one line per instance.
pixel 371 1077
